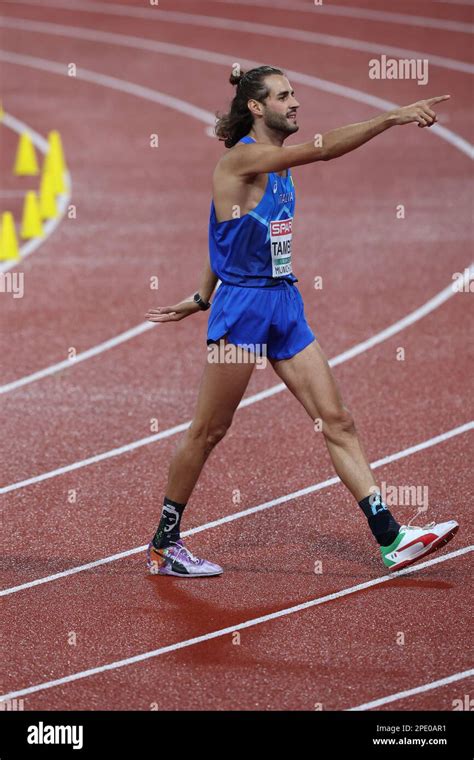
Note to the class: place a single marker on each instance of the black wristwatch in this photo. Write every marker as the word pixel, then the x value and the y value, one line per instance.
pixel 202 304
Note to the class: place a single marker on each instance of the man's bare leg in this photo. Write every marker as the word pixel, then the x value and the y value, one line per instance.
pixel 308 376
pixel 221 389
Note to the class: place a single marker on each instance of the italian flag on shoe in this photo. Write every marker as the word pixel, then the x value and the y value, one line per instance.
pixel 413 543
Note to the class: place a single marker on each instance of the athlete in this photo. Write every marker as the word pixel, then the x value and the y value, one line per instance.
pixel 257 304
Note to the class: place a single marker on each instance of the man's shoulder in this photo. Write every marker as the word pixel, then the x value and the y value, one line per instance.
pixel 231 161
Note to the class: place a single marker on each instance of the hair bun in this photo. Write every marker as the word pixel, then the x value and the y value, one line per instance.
pixel 235 79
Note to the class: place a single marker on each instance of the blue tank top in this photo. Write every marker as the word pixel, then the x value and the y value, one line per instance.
pixel 254 250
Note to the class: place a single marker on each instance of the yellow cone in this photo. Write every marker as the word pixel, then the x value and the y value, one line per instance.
pixel 54 162
pixel 8 240
pixel 48 208
pixel 26 163
pixel 1 111
pixel 56 148
pixel 31 226
pixel 52 167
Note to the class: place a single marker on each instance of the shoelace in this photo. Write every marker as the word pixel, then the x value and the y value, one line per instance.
pixel 418 527
pixel 190 555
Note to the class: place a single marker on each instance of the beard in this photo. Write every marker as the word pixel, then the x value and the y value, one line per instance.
pixel 279 122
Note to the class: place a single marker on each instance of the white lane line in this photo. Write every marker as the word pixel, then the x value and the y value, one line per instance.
pixel 207 117
pixel 133 332
pixel 416 690
pixel 414 316
pixel 238 627
pixel 153 95
pixel 112 83
pixel 96 458
pixel 245 27
pixel 405 19
pixel 429 306
pixel 469 3
pixel 62 200
pixel 246 512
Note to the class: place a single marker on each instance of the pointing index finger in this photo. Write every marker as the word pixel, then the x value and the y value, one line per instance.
pixel 438 99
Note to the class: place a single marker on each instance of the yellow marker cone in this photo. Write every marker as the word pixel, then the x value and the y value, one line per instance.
pixel 1 111
pixel 48 208
pixel 52 167
pixel 25 160
pixel 54 162
pixel 8 240
pixel 31 225
pixel 56 148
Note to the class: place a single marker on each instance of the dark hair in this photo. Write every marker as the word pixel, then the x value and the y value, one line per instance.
pixel 232 126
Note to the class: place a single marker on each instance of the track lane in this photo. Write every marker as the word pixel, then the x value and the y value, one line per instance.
pixel 15 459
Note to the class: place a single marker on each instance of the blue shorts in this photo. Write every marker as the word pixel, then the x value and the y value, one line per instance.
pixel 268 316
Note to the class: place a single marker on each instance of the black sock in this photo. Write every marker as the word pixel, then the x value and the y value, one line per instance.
pixel 168 529
pixel 381 521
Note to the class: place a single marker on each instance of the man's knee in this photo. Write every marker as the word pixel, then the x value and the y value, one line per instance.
pixel 338 423
pixel 215 434
pixel 209 434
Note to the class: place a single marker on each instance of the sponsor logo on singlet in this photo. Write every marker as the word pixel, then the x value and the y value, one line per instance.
pixel 286 197
pixel 280 240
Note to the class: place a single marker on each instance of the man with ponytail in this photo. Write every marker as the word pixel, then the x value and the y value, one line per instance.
pixel 258 308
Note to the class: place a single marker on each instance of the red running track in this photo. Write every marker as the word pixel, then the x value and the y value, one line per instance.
pixel 89 282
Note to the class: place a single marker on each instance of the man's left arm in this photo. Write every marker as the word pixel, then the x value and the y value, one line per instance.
pixel 337 142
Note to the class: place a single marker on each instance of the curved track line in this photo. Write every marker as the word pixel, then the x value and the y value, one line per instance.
pixel 468 3
pixel 404 19
pixel 245 27
pixel 429 306
pixel 113 83
pixel 141 43
pixel 205 116
pixel 416 690
pixel 88 354
pixel 62 203
pixel 246 512
pixel 231 629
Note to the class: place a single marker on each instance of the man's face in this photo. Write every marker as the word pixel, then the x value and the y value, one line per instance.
pixel 279 109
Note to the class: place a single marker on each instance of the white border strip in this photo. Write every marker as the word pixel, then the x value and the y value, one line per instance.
pixel 62 201
pixel 243 625
pixel 232 629
pixel 246 512
pixel 416 690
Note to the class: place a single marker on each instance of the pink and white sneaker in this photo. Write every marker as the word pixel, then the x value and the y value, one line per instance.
pixel 177 560
pixel 413 543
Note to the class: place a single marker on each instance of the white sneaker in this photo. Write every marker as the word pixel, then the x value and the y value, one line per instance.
pixel 413 543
